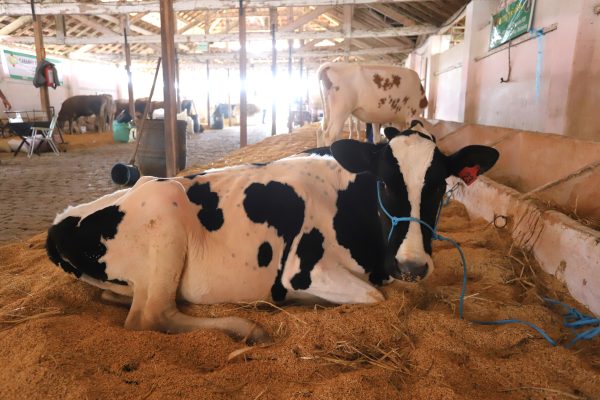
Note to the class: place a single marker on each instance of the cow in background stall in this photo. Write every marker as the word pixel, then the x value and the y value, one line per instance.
pixel 108 113
pixel 83 106
pixel 378 94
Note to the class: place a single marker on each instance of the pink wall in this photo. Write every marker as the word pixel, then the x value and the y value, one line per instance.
pixel 516 104
pixel 569 85
pixel 583 103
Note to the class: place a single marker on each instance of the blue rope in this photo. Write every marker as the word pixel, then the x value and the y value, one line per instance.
pixel 572 318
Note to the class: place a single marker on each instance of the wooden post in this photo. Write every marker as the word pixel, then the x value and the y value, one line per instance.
pixel 299 95
pixel 40 54
pixel 177 89
pixel 290 45
pixel 207 31
pixel 127 53
pixel 290 118
pixel 243 100
pixel 273 19
pixel 308 97
pixel 208 94
pixel 167 30
pixel 228 78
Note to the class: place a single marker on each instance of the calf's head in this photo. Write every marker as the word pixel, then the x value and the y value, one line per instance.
pixel 411 173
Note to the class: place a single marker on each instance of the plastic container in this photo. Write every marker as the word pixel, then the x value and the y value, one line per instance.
pixel 121 131
pixel 124 174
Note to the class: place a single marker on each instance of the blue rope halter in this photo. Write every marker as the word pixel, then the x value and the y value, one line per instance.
pixel 572 318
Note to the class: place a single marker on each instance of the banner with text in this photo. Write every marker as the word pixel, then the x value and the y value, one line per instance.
pixel 511 21
pixel 22 66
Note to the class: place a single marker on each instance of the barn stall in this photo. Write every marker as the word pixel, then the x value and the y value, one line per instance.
pixel 529 230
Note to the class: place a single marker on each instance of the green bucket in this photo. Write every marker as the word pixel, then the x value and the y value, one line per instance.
pixel 121 131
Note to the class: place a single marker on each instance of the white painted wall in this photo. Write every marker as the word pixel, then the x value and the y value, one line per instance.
pixel 78 77
pixel 446 79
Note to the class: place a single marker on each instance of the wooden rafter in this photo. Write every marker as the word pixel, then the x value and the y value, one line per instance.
pixel 72 8
pixel 392 13
pixel 384 33
pixel 16 24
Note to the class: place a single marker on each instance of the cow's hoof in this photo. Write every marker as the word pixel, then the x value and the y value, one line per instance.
pixel 257 336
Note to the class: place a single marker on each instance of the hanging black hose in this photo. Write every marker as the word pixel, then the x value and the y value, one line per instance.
pixel 502 80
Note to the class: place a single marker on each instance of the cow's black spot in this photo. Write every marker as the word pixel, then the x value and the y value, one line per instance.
pixel 265 254
pixel 211 216
pixel 310 251
pixel 277 205
pixel 259 164
pixel 75 244
pixel 162 179
pixel 357 226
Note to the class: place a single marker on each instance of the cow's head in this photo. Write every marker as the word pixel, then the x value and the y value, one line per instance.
pixel 412 173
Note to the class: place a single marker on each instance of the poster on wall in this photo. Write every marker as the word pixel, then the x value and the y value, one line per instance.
pixel 22 66
pixel 513 20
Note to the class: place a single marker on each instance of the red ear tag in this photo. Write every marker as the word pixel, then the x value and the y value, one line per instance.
pixel 469 174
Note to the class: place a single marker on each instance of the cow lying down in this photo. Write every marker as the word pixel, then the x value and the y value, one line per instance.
pixel 307 228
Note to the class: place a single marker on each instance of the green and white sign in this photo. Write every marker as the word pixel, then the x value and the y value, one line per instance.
pixel 22 66
pixel 512 21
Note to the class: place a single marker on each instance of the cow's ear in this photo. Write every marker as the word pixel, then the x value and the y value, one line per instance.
pixel 353 155
pixel 471 161
pixel 390 132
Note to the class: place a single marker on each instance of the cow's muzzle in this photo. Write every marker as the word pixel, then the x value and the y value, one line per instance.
pixel 410 271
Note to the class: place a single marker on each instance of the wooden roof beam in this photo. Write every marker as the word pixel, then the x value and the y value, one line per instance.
pixel 16 24
pixel 98 27
pixel 228 37
pixel 132 27
pixel 117 7
pixel 392 14
pixel 304 19
pixel 233 55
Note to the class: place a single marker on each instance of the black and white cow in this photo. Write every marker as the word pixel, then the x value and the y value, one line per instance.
pixel 308 227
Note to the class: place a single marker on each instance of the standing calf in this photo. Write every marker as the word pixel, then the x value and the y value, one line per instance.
pixel 373 93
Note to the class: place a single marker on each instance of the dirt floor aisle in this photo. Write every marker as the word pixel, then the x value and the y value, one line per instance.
pixel 33 191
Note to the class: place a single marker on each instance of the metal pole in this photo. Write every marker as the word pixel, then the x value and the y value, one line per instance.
pixel 127 53
pixel 167 23
pixel 273 18
pixel 40 54
pixel 243 100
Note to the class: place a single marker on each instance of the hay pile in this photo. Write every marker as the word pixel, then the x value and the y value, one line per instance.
pixel 58 339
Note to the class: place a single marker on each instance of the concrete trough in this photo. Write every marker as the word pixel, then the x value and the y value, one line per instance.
pixel 545 190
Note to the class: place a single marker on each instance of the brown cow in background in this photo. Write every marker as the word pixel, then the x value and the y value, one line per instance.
pixel 139 106
pixel 85 106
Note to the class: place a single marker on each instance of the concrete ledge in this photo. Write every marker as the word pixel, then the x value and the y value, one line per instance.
pixel 563 247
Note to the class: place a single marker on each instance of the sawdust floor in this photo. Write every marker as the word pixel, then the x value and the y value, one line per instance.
pixel 58 339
